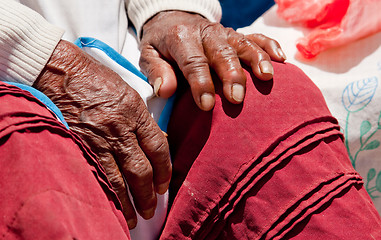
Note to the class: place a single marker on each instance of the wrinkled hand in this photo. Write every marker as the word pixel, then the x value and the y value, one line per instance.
pixel 113 120
pixel 195 44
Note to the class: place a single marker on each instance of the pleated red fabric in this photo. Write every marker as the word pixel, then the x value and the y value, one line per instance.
pixel 51 185
pixel 274 167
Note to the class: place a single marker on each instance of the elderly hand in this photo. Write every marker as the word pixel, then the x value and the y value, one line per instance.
pixel 196 44
pixel 113 120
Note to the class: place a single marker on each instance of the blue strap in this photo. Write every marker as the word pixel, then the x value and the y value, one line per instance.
pixel 44 99
pixel 122 61
pixel 109 51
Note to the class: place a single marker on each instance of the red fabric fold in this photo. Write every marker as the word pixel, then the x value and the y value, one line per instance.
pixel 52 186
pixel 256 170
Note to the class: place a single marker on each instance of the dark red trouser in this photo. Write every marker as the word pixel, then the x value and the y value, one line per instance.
pixel 274 167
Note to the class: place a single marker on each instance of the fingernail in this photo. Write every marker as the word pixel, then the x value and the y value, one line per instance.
pixel 238 92
pixel 207 101
pixel 165 134
pixel 162 188
pixel 266 67
pixel 147 214
pixel 157 85
pixel 281 53
pixel 131 223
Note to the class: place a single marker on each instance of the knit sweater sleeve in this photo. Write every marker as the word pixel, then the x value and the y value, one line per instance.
pixel 27 41
pixel 139 11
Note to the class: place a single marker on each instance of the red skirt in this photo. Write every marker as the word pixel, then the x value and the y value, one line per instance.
pixel 274 167
pixel 51 185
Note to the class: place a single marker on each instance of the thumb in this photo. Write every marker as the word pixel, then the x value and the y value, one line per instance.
pixel 160 73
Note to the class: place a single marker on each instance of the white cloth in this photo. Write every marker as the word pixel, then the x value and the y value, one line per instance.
pixel 107 20
pixel 26 42
pixel 349 78
pixel 139 11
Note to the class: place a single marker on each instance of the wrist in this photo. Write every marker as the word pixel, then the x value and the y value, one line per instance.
pixel 64 61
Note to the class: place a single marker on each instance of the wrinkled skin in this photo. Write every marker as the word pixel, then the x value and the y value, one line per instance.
pixel 112 119
pixel 195 44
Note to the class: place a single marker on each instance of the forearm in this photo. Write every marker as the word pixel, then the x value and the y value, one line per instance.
pixel 27 41
pixel 139 11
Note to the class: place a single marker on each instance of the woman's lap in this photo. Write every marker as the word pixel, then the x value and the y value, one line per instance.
pixel 258 169
pixel 274 166
pixel 52 186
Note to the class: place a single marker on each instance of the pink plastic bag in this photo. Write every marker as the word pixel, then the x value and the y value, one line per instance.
pixel 334 22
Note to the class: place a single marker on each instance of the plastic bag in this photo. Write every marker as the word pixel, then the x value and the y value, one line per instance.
pixel 333 22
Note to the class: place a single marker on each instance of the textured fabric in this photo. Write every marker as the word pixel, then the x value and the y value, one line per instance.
pixel 139 11
pixel 27 40
pixel 269 168
pixel 44 99
pixel 253 171
pixel 349 78
pixel 104 20
pixel 52 186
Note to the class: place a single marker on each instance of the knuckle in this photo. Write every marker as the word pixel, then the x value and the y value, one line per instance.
pixel 243 42
pixel 117 184
pixel 153 137
pixel 141 175
pixel 274 42
pixel 232 33
pixel 194 63
pixel 143 47
pixel 179 28
pixel 260 36
pixel 130 109
pixel 146 57
pixel 161 146
pixel 161 153
pixel 263 40
pixel 240 41
pixel 210 27
pixel 146 66
pixel 225 51
pixel 178 33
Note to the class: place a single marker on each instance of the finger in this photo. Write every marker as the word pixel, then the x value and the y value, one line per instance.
pixel 155 146
pixel 116 179
pixel 106 159
pixel 160 73
pixel 252 55
pixel 224 60
pixel 138 173
pixel 189 56
pixel 271 46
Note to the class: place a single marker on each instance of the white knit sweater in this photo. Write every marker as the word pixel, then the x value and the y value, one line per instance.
pixel 139 11
pixel 27 40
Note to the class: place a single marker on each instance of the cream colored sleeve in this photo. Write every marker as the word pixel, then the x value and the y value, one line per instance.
pixel 139 11
pixel 27 41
